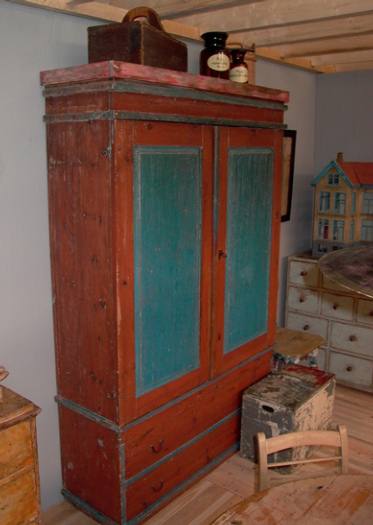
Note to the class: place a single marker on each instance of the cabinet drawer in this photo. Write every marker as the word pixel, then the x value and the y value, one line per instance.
pixel 18 501
pixel 352 338
pixel 364 312
pixel 152 439
pixel 15 449
pixel 303 273
pixel 304 323
pixel 337 306
pixel 154 485
pixel 303 300
pixel 351 369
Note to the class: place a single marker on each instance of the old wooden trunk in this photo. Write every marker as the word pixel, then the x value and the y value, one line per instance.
pixel 19 467
pixel 294 398
pixel 165 216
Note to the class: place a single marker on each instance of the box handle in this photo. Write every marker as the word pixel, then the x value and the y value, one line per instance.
pixel 144 12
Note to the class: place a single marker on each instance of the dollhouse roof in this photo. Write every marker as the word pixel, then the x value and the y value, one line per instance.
pixel 355 174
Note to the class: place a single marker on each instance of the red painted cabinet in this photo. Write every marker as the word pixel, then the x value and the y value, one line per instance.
pixel 164 218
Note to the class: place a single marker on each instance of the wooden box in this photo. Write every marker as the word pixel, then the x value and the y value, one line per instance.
pixel 137 42
pixel 19 470
pixel 292 399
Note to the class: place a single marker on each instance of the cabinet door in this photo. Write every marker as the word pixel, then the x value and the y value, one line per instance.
pixel 246 254
pixel 166 302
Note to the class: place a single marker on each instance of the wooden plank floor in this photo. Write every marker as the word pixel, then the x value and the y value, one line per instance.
pixel 235 478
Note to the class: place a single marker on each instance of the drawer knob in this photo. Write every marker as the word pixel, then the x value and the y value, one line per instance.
pixel 302 299
pixel 349 368
pixel 222 254
pixel 335 306
pixel 303 273
pixel 306 327
pixel 353 337
pixel 156 451
pixel 160 486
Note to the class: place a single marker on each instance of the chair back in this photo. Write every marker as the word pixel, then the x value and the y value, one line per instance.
pixel 337 439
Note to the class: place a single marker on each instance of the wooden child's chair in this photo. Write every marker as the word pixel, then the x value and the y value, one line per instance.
pixel 322 438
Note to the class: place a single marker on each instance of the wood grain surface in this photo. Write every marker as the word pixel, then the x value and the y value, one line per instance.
pixel 346 500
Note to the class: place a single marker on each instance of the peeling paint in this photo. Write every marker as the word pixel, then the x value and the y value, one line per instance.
pixel 292 399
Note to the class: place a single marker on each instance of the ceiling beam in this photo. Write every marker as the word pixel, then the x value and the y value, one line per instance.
pixel 275 13
pixel 107 13
pixel 175 8
pixel 343 58
pixel 353 67
pixel 309 31
pixel 326 46
pixel 303 63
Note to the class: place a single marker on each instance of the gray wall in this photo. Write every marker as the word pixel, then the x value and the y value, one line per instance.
pixel 32 40
pixel 344 118
pixel 296 234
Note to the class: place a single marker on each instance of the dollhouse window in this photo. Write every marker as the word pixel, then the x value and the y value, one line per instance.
pixel 333 179
pixel 340 203
pixel 368 204
pixel 323 229
pixel 353 203
pixel 366 233
pixel 352 229
pixel 324 202
pixel 338 230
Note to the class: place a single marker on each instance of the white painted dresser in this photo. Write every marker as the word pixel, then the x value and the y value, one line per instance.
pixel 344 319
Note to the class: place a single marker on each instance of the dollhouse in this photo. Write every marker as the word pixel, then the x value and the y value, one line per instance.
pixel 343 209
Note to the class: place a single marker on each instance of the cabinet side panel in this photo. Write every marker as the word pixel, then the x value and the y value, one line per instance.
pixel 91 464
pixel 79 181
pixel 167 226
pixel 248 246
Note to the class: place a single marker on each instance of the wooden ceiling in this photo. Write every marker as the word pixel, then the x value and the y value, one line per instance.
pixel 324 36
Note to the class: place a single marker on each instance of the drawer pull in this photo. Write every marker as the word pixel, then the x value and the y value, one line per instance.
pixel 371 313
pixel 222 254
pixel 303 273
pixel 160 486
pixel 335 306
pixel 306 327
pixel 353 338
pixel 302 299
pixel 156 451
pixel 349 368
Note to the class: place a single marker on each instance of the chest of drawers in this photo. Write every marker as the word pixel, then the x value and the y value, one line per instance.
pixel 315 304
pixel 19 471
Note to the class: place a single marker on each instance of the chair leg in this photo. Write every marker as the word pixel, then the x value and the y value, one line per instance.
pixel 343 451
pixel 262 460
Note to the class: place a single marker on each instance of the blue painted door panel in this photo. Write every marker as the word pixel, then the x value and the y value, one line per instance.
pixel 167 238
pixel 248 245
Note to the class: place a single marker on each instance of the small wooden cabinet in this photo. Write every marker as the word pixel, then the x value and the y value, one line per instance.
pixel 19 468
pixel 164 196
pixel 343 318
